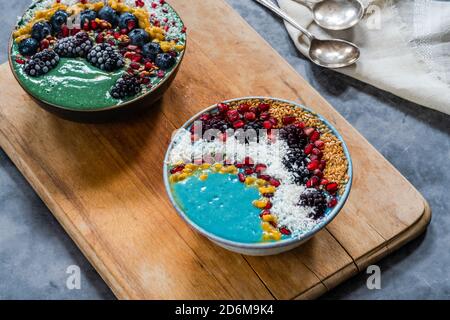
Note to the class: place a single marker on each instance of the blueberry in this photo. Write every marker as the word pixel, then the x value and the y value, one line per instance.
pixel 151 50
pixel 125 21
pixel 87 16
pixel 41 30
pixel 28 47
pixel 58 19
pixel 138 37
pixel 110 15
pixel 164 61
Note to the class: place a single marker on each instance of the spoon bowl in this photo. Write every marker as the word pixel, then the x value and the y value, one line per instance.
pixel 333 53
pixel 337 14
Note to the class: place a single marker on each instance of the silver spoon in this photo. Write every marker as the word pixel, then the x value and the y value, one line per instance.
pixel 335 14
pixel 333 53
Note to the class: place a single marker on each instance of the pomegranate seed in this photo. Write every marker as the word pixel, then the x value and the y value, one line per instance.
pixel 300 125
pixel 324 182
pixel 318 173
pixel 86 26
pixel 117 35
pixel 137 58
pixel 123 31
pixel 317 152
pixel 288 120
pixel 250 116
pixel 268 205
pixel 177 169
pixel 273 121
pixel 308 131
pixel 248 161
pixel 332 187
pixel 313 157
pixel 264 177
pixel 274 182
pixel 285 231
pixel 263 107
pixel 131 24
pixel 239 165
pixel 244 107
pixel 148 66
pixel 264 116
pixel 309 148
pixel 94 25
pixel 232 115
pixel 267 124
pixel 162 2
pixel 322 165
pixel 44 44
pixel 20 61
pixel 184 29
pixel 264 213
pixel 241 177
pixel 99 38
pixel 145 80
pixel 129 55
pixel 313 165
pixel 260 168
pixel 332 203
pixel 140 3
pixel 314 136
pixel 249 171
pixel 205 117
pixel 314 181
pixel 154 5
pixel 238 124
pixel 319 144
pixel 135 65
pixel 83 1
pixel 161 74
pixel 65 31
pixel 223 107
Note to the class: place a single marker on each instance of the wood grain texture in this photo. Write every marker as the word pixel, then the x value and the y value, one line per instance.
pixel 104 182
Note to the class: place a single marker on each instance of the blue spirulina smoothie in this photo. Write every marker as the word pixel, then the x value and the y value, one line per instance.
pixel 221 205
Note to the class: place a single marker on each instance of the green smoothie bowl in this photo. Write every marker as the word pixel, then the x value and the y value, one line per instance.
pixel 90 59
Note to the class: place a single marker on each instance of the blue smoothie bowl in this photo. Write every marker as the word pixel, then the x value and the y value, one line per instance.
pixel 212 228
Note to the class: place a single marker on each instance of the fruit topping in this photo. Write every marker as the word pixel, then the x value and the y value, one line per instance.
pixel 151 50
pixel 41 30
pixel 74 46
pixel 87 16
pixel 127 86
pixel 110 15
pixel 58 20
pixel 105 57
pixel 315 199
pixel 28 47
pixel 41 63
pixel 127 21
pixel 164 61
pixel 138 37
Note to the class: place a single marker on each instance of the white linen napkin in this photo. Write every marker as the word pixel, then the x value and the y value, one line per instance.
pixel 405 47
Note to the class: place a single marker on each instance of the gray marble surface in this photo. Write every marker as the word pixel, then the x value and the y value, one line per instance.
pixel 35 251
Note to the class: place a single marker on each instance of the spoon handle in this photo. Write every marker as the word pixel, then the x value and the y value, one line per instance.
pixel 275 9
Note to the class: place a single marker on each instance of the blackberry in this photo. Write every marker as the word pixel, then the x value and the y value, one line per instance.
pixel 315 199
pixel 41 30
pixel 127 86
pixel 295 162
pixel 75 46
pixel 105 57
pixel 216 122
pixel 41 63
pixel 294 136
pixel 28 47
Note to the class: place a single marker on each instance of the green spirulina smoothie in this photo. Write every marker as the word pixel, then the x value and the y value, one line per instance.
pixel 77 85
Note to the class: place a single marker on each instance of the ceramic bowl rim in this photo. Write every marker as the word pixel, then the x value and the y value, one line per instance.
pixel 263 245
pixel 167 76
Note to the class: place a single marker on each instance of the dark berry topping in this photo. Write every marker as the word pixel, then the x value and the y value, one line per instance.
pixel 315 199
pixel 151 50
pixel 105 57
pixel 110 15
pixel 87 16
pixel 41 30
pixel 127 86
pixel 138 37
pixel 28 47
pixel 164 61
pixel 295 161
pixel 75 46
pixel 127 21
pixel 41 63
pixel 294 136
pixel 58 19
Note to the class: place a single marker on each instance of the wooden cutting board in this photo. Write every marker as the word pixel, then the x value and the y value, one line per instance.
pixel 103 182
